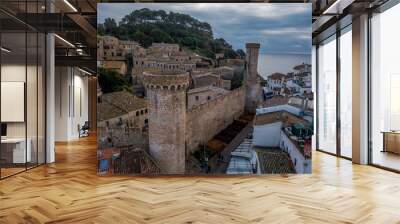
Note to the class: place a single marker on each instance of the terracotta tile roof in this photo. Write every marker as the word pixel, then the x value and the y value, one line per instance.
pixel 276 76
pixel 286 91
pixel 282 116
pixel 117 104
pixel 274 161
pixel 302 66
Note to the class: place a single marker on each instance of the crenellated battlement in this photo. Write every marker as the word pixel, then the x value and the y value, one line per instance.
pixel 253 45
pixel 166 80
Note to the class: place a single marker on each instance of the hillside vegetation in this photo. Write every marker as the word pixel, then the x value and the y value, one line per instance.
pixel 147 26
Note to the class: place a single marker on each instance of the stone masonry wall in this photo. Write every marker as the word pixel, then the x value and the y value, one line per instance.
pixel 167 129
pixel 206 120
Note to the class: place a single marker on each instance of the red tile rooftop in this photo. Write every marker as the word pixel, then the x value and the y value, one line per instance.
pixel 276 76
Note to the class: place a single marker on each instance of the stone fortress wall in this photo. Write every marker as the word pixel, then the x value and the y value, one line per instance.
pixel 203 122
pixel 175 129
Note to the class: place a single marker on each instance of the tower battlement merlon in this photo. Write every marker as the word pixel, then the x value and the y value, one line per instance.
pixel 253 45
pixel 166 80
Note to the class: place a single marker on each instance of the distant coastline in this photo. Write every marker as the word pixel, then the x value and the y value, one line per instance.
pixel 269 63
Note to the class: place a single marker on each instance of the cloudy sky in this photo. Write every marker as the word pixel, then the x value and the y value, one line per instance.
pixel 280 28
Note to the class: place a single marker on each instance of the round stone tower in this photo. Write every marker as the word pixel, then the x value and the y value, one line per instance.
pixel 252 81
pixel 166 92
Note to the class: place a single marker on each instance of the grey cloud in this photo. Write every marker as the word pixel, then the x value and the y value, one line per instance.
pixel 283 28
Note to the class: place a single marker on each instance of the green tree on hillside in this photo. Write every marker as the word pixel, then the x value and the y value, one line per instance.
pixel 112 81
pixel 147 26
